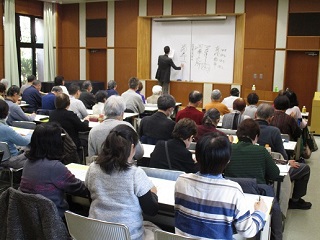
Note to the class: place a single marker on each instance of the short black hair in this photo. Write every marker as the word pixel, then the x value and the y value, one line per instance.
pixel 252 98
pixel 213 152
pixel 36 82
pixel 166 49
pixel 292 98
pixel 165 102
pixel 4 109
pixel 133 83
pixel 112 84
pixel 248 128
pixel 12 90
pixel 234 92
pixel 101 96
pixel 31 78
pixel 62 101
pixel 184 129
pixel 2 88
pixel 73 88
pixel 195 96
pixel 281 102
pixel 58 80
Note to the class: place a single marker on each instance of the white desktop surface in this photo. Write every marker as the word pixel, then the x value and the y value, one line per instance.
pixel 39 117
pixel 125 116
pixel 289 145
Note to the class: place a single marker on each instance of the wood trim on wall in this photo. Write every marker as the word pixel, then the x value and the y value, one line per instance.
pixel 304 6
pixel 302 43
pixel 225 6
pixel 180 7
pixel 154 7
pixel 30 7
pixel 144 48
pixel 239 49
pixel 96 42
pixel 96 10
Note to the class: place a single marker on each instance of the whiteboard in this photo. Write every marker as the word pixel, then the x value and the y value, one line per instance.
pixel 206 48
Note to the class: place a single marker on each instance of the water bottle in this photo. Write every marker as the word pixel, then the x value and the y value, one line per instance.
pixel 304 110
pixel 276 89
pixel 253 87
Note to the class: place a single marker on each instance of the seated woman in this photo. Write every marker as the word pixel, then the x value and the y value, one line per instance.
pixel 294 110
pixel 228 206
pixel 179 157
pixel 101 97
pixel 44 174
pixel 233 119
pixel 120 191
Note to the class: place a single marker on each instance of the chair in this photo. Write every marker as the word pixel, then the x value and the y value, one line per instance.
pixel 162 173
pixel 24 124
pixel 162 235
pixel 83 228
pixel 43 111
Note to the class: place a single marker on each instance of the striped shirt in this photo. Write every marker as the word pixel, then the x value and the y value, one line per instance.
pixel 208 207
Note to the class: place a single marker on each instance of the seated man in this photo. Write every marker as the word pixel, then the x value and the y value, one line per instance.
pixel 299 172
pixel 114 109
pixel 2 91
pixel 216 103
pixel 28 84
pixel 76 105
pixel 48 100
pixel 251 109
pixel 158 126
pixel 179 157
pixel 156 92
pixel 133 100
pixel 234 94
pixel 195 99
pixel 86 96
pixel 207 206
pixel 112 86
pixel 233 119
pixel 32 96
pixel 15 111
pixel 101 97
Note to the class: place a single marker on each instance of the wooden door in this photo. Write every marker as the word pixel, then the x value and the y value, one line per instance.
pixel 97 65
pixel 301 76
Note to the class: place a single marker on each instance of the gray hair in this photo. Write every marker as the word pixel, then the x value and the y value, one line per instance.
pixel 114 106
pixel 5 82
pixel 36 82
pixel 264 111
pixel 216 94
pixel 112 84
pixel 56 89
pixel 86 84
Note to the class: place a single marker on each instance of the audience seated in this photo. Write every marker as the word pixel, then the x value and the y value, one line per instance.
pixel 101 97
pixel 251 109
pixel 195 192
pixel 120 191
pixel 140 87
pixel 32 96
pixel 174 154
pixel 112 86
pixel 158 126
pixel 12 138
pixel 2 91
pixel 15 111
pixel 209 123
pixel 195 99
pixel 233 119
pixel 59 81
pixel 76 105
pixel 43 172
pixel 216 103
pixel 234 94
pixel 86 96
pixel 133 100
pixel 5 82
pixel 156 92
pixel 113 110
pixel 286 123
pixel 48 100
pixel 28 84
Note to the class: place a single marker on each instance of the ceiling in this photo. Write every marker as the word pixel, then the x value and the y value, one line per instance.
pixel 76 1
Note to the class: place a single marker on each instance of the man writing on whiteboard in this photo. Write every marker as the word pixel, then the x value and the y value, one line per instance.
pixel 164 69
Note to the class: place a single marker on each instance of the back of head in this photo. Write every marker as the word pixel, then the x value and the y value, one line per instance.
pixel 184 129
pixel 13 90
pixel 239 104
pixel 117 149
pixel 101 96
pixel 4 109
pixel 58 80
pixel 86 85
pixel 73 89
pixel 5 82
pixel 165 102
pixel 281 102
pixel 56 89
pixel 2 88
pixel 166 49
pixel 46 142
pixel 248 128
pixel 264 111
pixel 62 101
pixel 252 98
pixel 36 83
pixel 234 92
pixel 156 89
pixel 111 84
pixel 195 96
pixel 114 106
pixel 213 153
pixel 31 78
pixel 215 94
pixel 133 83
pixel 140 86
pixel 292 98
pixel 210 116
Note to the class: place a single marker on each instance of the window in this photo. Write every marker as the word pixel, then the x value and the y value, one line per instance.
pixel 29 32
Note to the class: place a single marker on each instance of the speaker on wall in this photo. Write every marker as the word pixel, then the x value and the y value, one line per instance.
pixel 96 28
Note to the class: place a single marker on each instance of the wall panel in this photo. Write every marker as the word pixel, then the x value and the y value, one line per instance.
pixel 181 90
pixel 304 6
pixel 97 64
pixel 303 43
pixel 68 63
pixel 180 7
pixel 30 7
pixel 154 7
pixel 225 6
pixel 97 10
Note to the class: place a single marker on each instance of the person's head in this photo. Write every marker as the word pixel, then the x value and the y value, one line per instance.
pixel 166 102
pixel 140 86
pixel 213 153
pixel 133 83
pixel 5 82
pixel 59 80
pixel 87 86
pixel 101 96
pixel 114 106
pixel 292 98
pixel 265 111
pixel 13 93
pixel 112 84
pixel 74 90
pixel 62 101
pixel 185 129
pixel 118 149
pixel 211 117
pixel 248 128
pixel 195 97
pixel 2 89
pixel 252 98
pixel 216 95
pixel 156 90
pixel 30 78
pixel 56 90
pixel 239 104
pixel 234 92
pixel 166 49
pixel 46 142
pixel 281 102
pixel 36 84
pixel 4 109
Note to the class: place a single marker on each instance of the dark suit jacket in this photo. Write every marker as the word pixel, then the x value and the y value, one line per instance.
pixel 88 99
pixel 69 122
pixel 164 68
pixel 33 97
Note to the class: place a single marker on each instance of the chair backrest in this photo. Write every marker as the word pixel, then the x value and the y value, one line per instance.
pixel 6 152
pixel 43 111
pixel 24 124
pixel 83 228
pixel 276 155
pixel 162 173
pixel 162 235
